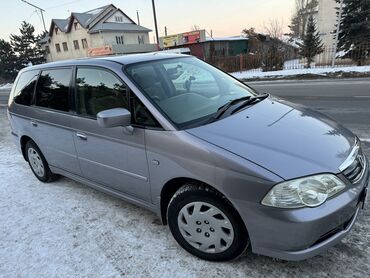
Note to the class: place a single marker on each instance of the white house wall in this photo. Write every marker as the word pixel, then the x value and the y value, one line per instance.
pixel 326 20
pixel 72 53
pixel 116 14
pixel 128 38
pixel 99 39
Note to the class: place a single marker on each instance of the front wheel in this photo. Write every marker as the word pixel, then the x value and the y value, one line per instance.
pixel 206 225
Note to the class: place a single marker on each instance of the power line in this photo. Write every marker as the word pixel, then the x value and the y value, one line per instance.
pixel 61 5
pixel 41 11
pixel 39 16
pixel 27 19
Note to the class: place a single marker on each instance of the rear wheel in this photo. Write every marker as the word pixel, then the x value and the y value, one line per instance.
pixel 37 163
pixel 206 225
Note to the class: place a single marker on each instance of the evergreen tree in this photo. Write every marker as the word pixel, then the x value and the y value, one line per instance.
pixel 303 10
pixel 26 46
pixel 295 27
pixel 7 61
pixel 354 35
pixel 312 44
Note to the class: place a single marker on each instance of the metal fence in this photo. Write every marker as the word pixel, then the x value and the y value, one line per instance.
pixel 267 60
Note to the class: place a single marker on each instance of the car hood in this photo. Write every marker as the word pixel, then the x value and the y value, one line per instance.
pixel 287 139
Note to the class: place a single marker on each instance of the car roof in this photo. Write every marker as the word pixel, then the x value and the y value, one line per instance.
pixel 124 60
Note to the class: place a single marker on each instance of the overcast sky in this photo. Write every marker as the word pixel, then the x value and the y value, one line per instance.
pixel 224 17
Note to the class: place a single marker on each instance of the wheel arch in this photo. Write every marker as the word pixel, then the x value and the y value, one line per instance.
pixel 173 185
pixel 23 141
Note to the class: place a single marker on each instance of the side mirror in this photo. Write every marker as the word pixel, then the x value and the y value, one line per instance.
pixel 114 117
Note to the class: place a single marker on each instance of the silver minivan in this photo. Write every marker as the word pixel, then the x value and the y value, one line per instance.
pixel 223 166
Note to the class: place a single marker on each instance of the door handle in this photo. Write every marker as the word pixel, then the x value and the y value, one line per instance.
pixel 33 123
pixel 82 136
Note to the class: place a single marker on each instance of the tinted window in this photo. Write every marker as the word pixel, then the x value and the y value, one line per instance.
pixel 23 92
pixel 148 77
pixel 53 89
pixel 141 114
pixel 99 90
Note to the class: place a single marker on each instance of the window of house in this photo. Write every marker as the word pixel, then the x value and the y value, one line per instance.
pixel 57 46
pixel 76 44
pixel 98 90
pixel 119 40
pixel 119 19
pixel 65 46
pixel 52 89
pixel 140 39
pixel 84 43
pixel 47 49
pixel 56 29
pixel 23 91
pixel 75 25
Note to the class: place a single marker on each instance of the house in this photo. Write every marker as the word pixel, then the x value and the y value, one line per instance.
pixel 103 31
pixel 206 48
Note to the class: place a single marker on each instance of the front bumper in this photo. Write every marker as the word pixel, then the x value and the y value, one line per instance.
pixel 297 234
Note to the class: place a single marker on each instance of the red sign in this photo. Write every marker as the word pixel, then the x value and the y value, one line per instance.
pixel 191 37
pixel 100 51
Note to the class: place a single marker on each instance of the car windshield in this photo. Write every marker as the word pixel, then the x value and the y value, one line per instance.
pixel 189 92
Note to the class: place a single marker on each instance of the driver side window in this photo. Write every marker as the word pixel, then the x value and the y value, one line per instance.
pixel 141 115
pixel 98 90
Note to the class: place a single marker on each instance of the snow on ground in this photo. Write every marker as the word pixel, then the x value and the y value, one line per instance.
pixel 66 229
pixel 293 72
pixel 7 86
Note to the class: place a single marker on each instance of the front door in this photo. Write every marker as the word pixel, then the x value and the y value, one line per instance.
pixel 112 157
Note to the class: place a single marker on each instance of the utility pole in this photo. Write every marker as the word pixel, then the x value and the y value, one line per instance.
pixel 41 11
pixel 155 24
pixel 165 31
pixel 138 18
pixel 337 34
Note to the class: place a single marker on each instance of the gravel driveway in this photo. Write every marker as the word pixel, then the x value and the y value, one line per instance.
pixel 66 229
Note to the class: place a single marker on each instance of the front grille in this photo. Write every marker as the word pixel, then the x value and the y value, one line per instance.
pixel 355 171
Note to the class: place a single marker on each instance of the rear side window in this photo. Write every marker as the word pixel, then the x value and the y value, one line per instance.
pixel 98 90
pixel 23 91
pixel 53 89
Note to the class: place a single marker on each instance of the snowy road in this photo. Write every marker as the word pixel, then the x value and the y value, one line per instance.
pixel 65 229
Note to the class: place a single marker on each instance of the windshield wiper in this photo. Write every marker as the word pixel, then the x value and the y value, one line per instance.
pixel 221 110
pixel 250 101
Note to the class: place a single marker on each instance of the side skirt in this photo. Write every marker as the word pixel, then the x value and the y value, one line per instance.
pixel 107 190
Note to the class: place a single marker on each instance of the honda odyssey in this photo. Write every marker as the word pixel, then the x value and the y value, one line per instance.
pixel 224 166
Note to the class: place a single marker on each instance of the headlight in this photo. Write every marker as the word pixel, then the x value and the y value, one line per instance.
pixel 304 192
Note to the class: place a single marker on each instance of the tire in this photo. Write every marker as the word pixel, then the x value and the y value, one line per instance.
pixel 38 164
pixel 197 215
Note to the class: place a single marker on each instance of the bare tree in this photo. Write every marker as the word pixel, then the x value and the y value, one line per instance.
pixel 301 4
pixel 195 27
pixel 274 28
